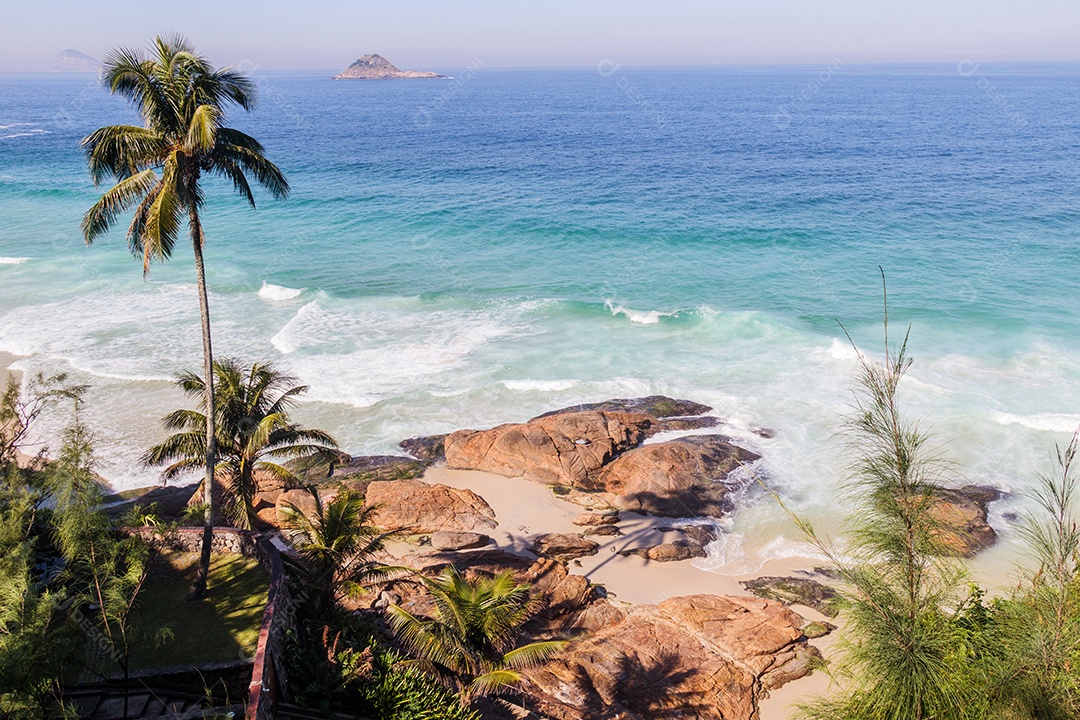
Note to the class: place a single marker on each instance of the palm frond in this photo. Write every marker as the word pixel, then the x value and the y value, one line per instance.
pixel 125 194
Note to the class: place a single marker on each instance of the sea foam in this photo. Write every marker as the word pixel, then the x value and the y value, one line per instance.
pixel 1047 422
pixel 13 260
pixel 642 317
pixel 278 293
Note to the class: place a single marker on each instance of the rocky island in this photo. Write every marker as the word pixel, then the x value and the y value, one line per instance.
pixel 376 67
pixel 74 61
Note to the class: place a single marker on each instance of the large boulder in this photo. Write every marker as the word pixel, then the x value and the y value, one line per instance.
pixel 796 591
pixel 414 506
pixel 354 472
pixel 961 516
pixel 428 449
pixel 557 449
pixel 448 540
pixel 701 656
pixel 564 546
pixel 680 478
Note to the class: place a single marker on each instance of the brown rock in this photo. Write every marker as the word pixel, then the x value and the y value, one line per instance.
pixel 796 591
pixel 302 500
pixel 587 499
pixel 681 478
pixel 448 540
pixel 602 530
pixel 428 449
pixel 961 517
pixel 564 546
pixel 682 424
pixel 669 552
pixel 557 449
pixel 588 519
pixel 701 656
pixel 414 506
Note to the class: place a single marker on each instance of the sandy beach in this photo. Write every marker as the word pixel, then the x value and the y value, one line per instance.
pixel 526 509
pixel 6 360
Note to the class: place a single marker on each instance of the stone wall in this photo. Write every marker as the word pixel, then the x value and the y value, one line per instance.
pixel 268 678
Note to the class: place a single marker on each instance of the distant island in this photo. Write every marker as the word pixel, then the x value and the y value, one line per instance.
pixel 376 67
pixel 74 61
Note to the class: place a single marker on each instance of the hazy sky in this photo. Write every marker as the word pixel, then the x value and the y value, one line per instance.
pixel 279 34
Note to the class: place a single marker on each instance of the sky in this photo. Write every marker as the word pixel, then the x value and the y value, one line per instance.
pixel 436 34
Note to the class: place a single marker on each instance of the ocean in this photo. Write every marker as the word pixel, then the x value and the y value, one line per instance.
pixel 472 251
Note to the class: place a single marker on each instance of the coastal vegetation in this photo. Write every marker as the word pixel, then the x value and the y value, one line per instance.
pixel 472 641
pixel 914 644
pixel 254 430
pixel 159 168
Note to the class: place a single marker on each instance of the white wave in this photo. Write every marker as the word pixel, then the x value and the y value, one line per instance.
pixel 13 260
pixel 642 317
pixel 27 133
pixel 842 350
pixel 14 125
pixel 278 293
pixel 539 385
pixel 728 555
pixel 1046 422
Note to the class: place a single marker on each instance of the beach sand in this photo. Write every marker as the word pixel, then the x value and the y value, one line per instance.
pixel 6 360
pixel 526 509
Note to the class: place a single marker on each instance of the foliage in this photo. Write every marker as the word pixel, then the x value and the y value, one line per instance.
pixel 384 687
pixel 348 670
pixel 336 544
pixel 37 636
pixel 20 409
pixel 253 430
pixel 1026 646
pixel 158 169
pixel 472 641
pixel 902 656
pixel 158 166
pixel 105 570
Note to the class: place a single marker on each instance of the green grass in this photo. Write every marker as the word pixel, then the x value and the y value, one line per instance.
pixel 222 626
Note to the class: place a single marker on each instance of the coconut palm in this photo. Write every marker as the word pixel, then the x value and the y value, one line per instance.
pixel 471 643
pixel 336 544
pixel 253 431
pixel 159 166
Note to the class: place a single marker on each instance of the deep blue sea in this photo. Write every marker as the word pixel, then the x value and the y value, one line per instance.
pixel 466 252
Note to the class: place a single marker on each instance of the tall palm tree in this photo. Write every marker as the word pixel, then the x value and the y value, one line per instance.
pixel 337 544
pixel 158 168
pixel 472 640
pixel 253 429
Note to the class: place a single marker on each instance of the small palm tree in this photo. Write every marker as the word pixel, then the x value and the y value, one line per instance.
pixel 253 430
pixel 471 643
pixel 337 544
pixel 182 100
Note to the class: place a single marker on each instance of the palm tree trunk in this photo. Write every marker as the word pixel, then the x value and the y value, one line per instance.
pixel 198 589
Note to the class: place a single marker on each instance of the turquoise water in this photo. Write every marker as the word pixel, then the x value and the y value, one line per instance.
pixel 469 252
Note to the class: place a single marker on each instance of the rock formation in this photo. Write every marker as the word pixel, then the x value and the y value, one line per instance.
pixel 415 507
pixel 74 61
pixel 376 67
pixel 700 656
pixel 556 449
pixel 962 517
pixel 680 478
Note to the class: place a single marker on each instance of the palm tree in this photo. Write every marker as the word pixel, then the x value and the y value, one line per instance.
pixel 253 429
pixel 472 640
pixel 337 544
pixel 158 168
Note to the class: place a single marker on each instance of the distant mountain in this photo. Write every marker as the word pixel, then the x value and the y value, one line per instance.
pixel 376 67
pixel 75 61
